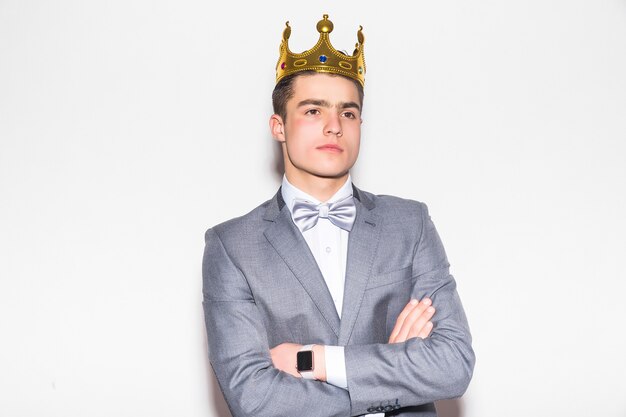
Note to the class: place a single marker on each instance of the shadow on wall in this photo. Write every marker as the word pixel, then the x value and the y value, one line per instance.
pixel 449 408
pixel 278 165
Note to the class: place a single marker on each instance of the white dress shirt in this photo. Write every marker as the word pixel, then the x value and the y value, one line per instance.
pixel 329 246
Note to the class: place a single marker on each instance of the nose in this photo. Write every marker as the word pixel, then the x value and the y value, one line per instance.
pixel 333 125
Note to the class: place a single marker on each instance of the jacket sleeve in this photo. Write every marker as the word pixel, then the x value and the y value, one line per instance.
pixel 418 371
pixel 239 351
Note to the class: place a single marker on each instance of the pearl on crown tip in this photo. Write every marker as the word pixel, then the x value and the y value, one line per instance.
pixel 325 25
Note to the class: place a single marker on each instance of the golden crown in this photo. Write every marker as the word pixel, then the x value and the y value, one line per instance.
pixel 323 57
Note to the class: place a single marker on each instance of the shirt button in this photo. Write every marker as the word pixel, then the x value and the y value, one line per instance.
pixel 328 249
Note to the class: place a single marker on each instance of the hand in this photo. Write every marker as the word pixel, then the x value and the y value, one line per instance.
pixel 413 321
pixel 284 358
pixel 285 355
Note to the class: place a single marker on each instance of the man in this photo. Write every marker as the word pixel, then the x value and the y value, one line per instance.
pixel 321 301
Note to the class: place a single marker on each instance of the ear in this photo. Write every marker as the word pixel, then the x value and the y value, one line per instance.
pixel 277 127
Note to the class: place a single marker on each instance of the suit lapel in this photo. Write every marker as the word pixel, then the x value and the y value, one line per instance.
pixel 287 240
pixel 362 247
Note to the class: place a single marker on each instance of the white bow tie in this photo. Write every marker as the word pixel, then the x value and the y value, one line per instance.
pixel 340 213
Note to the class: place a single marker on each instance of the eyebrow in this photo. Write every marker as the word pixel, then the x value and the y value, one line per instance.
pixel 324 103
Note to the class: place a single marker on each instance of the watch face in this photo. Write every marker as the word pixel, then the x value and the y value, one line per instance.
pixel 305 361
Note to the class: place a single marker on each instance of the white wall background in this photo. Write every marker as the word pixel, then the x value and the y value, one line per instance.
pixel 127 127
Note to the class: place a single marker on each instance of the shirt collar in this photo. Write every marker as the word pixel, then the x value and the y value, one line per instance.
pixel 291 192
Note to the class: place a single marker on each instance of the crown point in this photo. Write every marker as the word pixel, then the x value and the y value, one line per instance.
pixel 287 31
pixel 360 35
pixel 325 25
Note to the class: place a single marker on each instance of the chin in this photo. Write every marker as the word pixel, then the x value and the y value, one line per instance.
pixel 331 174
pixel 333 171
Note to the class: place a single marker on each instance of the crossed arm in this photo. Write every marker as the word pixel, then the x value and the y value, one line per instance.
pixel 413 321
pixel 421 363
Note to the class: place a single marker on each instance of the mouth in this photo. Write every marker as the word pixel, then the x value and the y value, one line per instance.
pixel 330 147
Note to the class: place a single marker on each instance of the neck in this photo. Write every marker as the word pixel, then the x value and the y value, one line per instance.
pixel 319 187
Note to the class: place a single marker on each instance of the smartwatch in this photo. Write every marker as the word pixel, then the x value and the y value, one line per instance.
pixel 305 363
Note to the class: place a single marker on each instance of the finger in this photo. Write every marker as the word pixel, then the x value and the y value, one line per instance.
pixel 401 317
pixel 428 327
pixel 419 324
pixel 400 321
pixel 413 317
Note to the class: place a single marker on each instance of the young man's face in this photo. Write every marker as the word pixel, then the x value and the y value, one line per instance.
pixel 322 130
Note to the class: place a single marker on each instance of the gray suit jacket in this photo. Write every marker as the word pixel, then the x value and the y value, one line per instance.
pixel 262 287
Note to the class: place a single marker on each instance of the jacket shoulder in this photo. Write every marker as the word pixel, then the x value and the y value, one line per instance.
pixel 394 203
pixel 402 217
pixel 242 225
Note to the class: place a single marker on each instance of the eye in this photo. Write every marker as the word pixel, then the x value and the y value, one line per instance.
pixel 349 115
pixel 312 112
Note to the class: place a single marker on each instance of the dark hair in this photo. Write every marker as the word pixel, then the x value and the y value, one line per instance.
pixel 284 91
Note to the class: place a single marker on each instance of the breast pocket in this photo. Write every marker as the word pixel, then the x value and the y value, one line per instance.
pixel 390 278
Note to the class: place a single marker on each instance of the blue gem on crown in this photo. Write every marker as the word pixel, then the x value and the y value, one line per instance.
pixel 323 59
